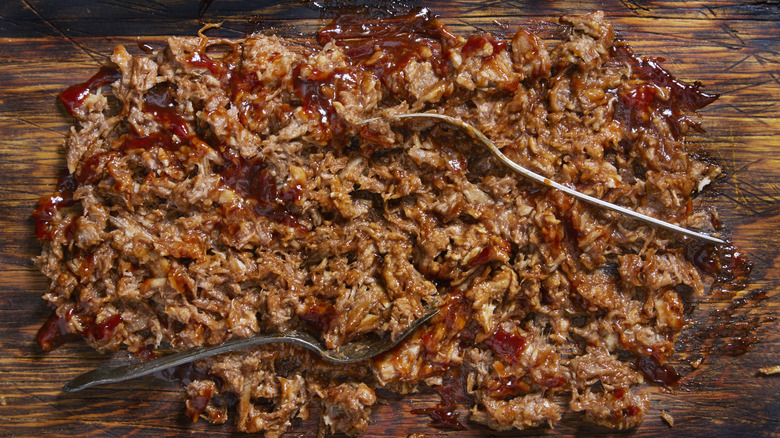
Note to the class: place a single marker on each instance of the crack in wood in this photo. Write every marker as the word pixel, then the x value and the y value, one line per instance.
pixel 83 49
pixel 145 6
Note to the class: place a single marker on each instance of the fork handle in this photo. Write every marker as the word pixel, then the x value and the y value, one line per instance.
pixel 106 375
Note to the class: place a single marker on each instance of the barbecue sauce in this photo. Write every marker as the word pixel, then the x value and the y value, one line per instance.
pixel 476 43
pixel 508 346
pixel 253 180
pixel 727 264
pixel 74 96
pixel 100 331
pixel 54 331
pixel 635 105
pixel 659 374
pixel 49 205
pixel 202 60
pixel 381 48
pixel 401 39
pixel 318 91
pixel 160 102
pixel 453 393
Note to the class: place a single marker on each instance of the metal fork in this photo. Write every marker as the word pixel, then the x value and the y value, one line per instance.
pixel 478 135
pixel 351 352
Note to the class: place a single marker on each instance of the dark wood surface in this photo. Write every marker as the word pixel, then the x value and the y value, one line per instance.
pixel 733 48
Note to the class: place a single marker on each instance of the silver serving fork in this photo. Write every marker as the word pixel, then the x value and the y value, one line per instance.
pixel 478 135
pixel 350 352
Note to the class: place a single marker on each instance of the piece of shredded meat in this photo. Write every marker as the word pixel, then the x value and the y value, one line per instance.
pixel 226 187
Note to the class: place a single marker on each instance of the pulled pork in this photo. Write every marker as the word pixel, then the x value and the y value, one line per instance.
pixel 228 187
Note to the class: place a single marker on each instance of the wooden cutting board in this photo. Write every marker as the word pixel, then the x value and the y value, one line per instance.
pixel 733 48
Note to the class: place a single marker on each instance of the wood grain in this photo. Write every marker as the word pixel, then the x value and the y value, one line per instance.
pixel 733 48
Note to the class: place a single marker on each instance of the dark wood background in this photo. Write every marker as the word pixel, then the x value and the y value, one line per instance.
pixel 732 47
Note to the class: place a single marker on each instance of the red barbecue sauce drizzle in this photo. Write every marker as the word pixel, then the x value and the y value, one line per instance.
pixel 731 270
pixel 319 315
pixel 201 60
pixel 74 96
pixel 496 251
pixel 417 35
pixel 146 47
pixel 485 256
pixel 453 393
pixel 731 330
pixel 402 39
pixel 509 386
pixel 242 83
pixel 197 403
pixel 318 92
pixel 48 206
pixel 633 107
pixel 653 371
pixel 171 121
pixel 91 168
pixel 476 43
pixel 443 416
pixel 630 411
pixel 164 140
pixel 252 180
pixel 103 330
pixel 160 102
pixel 508 346
pixel 54 331
pixel 730 266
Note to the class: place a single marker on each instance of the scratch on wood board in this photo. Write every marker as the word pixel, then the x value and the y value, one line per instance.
pixel 80 47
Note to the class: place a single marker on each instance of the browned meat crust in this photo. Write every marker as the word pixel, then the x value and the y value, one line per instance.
pixel 225 188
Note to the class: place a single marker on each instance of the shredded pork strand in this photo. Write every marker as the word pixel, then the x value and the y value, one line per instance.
pixel 225 187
